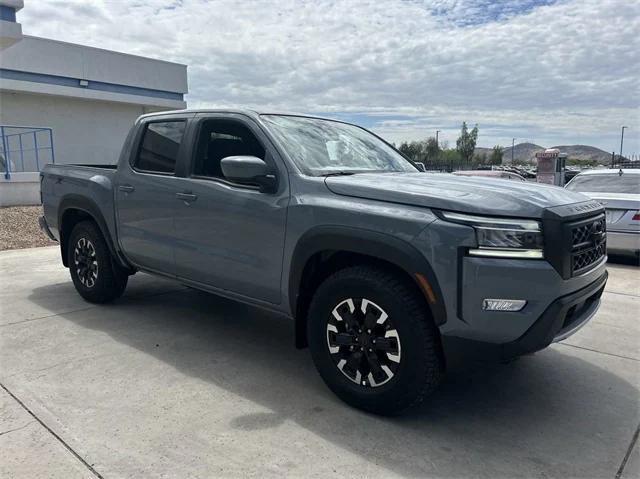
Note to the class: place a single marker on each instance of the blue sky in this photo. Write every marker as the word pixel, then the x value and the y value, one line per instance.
pixel 477 12
pixel 549 72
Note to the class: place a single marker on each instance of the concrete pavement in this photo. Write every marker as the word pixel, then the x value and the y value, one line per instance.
pixel 171 382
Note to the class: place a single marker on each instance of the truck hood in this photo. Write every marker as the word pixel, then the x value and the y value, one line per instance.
pixel 488 196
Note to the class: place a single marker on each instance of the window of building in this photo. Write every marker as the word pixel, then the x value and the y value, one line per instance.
pixel 160 146
pixel 222 138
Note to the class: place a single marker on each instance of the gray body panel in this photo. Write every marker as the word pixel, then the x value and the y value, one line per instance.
pixel 93 183
pixel 145 219
pixel 456 193
pixel 248 245
pixel 231 238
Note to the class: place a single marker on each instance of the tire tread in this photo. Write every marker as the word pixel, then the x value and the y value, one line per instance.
pixel 112 279
pixel 432 369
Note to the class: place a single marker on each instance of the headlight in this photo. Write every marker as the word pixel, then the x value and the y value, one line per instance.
pixel 502 237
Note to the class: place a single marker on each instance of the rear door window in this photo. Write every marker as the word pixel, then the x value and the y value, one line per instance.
pixel 159 148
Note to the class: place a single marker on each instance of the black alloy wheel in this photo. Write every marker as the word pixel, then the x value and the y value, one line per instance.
pixel 373 339
pixel 95 274
pixel 85 262
pixel 363 342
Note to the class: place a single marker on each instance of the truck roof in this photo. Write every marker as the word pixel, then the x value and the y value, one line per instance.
pixel 240 111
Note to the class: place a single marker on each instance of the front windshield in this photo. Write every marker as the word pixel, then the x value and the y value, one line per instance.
pixel 606 183
pixel 321 147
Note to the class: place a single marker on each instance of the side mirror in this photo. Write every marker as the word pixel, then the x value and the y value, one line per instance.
pixel 420 166
pixel 249 170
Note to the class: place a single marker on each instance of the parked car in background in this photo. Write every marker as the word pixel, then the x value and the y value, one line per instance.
pixel 619 192
pixel 570 173
pixel 505 175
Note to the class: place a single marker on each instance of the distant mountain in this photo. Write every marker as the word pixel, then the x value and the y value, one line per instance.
pixel 585 152
pixel 522 152
pixel 527 152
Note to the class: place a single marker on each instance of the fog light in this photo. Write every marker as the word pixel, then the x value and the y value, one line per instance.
pixel 503 304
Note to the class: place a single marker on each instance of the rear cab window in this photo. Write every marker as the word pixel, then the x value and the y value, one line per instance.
pixel 158 152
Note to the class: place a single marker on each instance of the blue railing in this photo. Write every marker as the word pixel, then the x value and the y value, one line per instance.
pixel 25 148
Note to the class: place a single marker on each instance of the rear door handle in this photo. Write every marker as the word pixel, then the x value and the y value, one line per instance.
pixel 187 197
pixel 126 188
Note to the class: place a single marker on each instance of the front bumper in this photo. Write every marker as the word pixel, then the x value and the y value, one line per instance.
pixel 534 281
pixel 561 319
pixel 623 242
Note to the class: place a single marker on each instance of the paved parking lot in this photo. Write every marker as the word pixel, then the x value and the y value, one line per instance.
pixel 171 382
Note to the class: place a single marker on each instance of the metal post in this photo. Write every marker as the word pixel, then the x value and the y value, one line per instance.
pixel 621 141
pixel 21 150
pixel 53 157
pixel 35 145
pixel 7 161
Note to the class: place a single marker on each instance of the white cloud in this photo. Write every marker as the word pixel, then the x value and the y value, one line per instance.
pixel 561 73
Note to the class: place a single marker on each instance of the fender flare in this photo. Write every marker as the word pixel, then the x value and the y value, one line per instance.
pixel 89 207
pixel 371 243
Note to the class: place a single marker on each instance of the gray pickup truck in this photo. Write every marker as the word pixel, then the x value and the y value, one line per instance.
pixel 383 268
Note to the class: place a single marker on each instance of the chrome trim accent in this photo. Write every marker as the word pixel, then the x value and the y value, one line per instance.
pixel 528 225
pixel 507 253
pixel 520 302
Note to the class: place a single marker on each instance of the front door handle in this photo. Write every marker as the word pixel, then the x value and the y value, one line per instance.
pixel 187 197
pixel 126 188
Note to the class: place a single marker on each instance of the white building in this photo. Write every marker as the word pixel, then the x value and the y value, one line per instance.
pixel 70 103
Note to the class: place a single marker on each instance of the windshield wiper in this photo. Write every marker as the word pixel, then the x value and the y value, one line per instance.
pixel 339 173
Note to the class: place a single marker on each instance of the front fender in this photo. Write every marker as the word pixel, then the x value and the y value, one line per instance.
pixel 371 243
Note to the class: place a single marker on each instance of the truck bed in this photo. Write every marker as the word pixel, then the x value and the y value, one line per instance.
pixel 92 183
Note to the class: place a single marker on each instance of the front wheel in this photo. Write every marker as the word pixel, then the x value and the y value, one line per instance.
pixel 373 340
pixel 96 277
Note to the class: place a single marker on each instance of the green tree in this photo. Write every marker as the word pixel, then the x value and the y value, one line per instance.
pixel 449 159
pixel 496 155
pixel 404 149
pixel 413 150
pixel 481 158
pixel 431 149
pixel 466 142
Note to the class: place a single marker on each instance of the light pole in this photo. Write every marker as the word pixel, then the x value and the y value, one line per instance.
pixel 622 140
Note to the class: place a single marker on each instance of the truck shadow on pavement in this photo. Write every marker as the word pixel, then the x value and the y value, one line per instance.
pixel 549 413
pixel 624 260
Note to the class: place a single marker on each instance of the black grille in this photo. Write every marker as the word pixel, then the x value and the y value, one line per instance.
pixel 589 243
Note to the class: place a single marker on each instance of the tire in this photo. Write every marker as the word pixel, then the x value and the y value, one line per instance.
pixel 406 341
pixel 94 273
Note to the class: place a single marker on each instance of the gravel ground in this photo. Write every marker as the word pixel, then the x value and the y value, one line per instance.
pixel 19 228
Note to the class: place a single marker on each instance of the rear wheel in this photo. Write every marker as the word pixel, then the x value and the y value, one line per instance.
pixel 94 273
pixel 373 340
